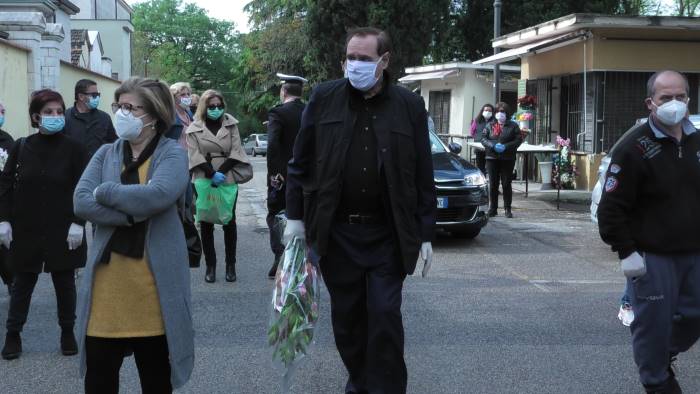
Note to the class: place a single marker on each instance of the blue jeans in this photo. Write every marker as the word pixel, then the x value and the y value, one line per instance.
pixel 625 300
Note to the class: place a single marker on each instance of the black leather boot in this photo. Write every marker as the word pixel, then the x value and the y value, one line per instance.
pixel 273 270
pixel 210 276
pixel 230 272
pixel 509 214
pixel 13 346
pixel 69 346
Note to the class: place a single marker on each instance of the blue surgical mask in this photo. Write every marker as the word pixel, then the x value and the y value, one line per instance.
pixel 52 124
pixel 362 74
pixel 2 120
pixel 94 102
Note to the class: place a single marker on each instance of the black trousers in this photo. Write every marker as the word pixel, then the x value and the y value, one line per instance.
pixel 5 273
pixel 364 277
pixel 480 160
pixel 500 170
pixel 276 244
pixel 230 241
pixel 104 358
pixel 21 296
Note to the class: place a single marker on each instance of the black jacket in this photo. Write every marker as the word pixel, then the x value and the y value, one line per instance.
pixel 36 197
pixel 651 194
pixel 315 173
pixel 283 123
pixel 510 136
pixel 93 129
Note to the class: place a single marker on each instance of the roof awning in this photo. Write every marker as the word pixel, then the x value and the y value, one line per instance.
pixel 431 75
pixel 550 43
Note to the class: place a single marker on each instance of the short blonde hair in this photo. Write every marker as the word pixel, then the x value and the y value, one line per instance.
pixel 201 113
pixel 179 88
pixel 157 100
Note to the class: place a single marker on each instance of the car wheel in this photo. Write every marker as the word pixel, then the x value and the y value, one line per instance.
pixel 466 233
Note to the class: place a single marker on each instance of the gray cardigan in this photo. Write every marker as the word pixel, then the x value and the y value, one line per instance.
pixel 166 250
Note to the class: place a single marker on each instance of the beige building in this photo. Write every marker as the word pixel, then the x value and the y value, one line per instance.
pixel 455 92
pixel 589 75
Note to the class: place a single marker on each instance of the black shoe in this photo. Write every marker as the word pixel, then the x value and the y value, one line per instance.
pixel 670 386
pixel 493 213
pixel 231 272
pixel 509 214
pixel 210 276
pixel 13 346
pixel 273 270
pixel 69 347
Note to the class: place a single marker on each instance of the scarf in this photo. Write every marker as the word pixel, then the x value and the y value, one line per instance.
pixel 497 129
pixel 130 241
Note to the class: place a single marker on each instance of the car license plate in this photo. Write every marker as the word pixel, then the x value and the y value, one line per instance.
pixel 442 202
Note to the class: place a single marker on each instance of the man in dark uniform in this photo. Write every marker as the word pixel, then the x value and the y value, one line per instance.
pixel 282 128
pixel 360 189
pixel 84 122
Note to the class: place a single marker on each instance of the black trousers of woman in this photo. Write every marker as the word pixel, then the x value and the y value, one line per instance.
pixel 500 171
pixel 21 297
pixel 230 241
pixel 104 358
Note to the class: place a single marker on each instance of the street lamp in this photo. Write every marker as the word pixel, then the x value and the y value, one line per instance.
pixel 496 67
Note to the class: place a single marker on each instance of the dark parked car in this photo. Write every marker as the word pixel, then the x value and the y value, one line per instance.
pixel 462 191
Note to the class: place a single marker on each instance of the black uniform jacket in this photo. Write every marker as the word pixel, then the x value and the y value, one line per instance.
pixel 6 140
pixel 93 129
pixel 36 197
pixel 315 173
pixel 282 129
pixel 651 194
pixel 510 136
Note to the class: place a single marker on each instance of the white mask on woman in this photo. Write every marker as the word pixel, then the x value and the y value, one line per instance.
pixel 501 117
pixel 487 114
pixel 127 126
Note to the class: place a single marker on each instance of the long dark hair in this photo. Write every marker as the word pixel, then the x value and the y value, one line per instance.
pixel 480 117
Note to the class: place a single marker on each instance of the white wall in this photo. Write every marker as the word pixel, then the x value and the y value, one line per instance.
pixel 64 19
pixel 116 42
pixel 455 85
pixel 86 11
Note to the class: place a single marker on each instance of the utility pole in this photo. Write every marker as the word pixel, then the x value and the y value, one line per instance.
pixel 496 68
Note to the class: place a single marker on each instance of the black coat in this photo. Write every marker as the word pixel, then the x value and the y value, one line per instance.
pixel 6 141
pixel 510 136
pixel 282 129
pixel 93 129
pixel 36 197
pixel 315 173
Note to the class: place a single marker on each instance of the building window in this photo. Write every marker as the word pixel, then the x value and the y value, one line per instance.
pixel 439 110
pixel 542 126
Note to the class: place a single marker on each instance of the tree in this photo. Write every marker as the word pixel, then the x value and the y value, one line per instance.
pixel 687 7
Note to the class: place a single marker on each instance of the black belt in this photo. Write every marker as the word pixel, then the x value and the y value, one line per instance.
pixel 361 219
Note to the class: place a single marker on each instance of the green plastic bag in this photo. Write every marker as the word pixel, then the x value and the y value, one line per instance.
pixel 215 204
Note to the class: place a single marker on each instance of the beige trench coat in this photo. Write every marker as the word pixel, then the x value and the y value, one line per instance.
pixel 221 145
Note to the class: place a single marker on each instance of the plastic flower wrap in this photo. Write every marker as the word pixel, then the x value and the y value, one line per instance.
pixel 3 158
pixel 295 308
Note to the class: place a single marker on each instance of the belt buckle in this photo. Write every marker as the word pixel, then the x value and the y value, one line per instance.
pixel 354 219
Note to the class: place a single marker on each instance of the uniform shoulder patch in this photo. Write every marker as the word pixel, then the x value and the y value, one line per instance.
pixel 615 169
pixel 611 184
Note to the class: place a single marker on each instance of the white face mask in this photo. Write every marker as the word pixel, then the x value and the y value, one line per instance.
pixel 362 75
pixel 186 100
pixel 501 117
pixel 487 114
pixel 672 112
pixel 127 126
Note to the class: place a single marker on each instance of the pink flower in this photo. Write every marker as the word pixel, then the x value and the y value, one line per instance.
pixel 302 289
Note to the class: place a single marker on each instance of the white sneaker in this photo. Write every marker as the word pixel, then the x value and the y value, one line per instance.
pixel 626 315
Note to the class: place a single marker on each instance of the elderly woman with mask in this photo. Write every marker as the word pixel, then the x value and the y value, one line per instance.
pixel 135 294
pixel 6 142
pixel 37 221
pixel 182 94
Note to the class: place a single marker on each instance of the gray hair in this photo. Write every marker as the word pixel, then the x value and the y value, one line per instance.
pixel 651 88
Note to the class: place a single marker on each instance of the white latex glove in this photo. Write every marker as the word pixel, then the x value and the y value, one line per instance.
pixel 5 234
pixel 633 266
pixel 426 254
pixel 294 228
pixel 75 236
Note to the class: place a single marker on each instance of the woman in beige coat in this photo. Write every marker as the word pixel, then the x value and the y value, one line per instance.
pixel 215 152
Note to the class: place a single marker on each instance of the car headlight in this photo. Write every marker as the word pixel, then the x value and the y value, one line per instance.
pixel 476 179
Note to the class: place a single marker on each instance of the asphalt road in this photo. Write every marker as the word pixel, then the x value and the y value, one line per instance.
pixel 529 306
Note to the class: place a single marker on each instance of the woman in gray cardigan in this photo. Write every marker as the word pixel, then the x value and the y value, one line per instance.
pixel 135 293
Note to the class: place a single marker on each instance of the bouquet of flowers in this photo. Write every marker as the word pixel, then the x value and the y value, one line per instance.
pixel 527 102
pixel 3 158
pixel 295 301
pixel 564 171
pixel 525 116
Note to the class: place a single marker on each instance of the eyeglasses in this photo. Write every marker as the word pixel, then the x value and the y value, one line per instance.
pixel 212 107
pixel 126 108
pixel 93 95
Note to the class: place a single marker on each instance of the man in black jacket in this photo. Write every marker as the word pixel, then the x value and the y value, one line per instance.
pixel 649 215
pixel 282 128
pixel 84 122
pixel 360 189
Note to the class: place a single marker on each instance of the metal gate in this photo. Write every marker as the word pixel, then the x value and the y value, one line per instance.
pixel 439 110
pixel 542 90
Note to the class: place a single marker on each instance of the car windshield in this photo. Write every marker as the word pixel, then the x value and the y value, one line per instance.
pixel 436 146
pixel 262 137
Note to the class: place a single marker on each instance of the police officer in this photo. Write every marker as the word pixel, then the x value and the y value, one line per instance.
pixel 360 189
pixel 648 214
pixel 282 128
pixel 84 122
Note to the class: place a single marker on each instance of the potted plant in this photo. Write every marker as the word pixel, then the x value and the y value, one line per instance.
pixel 564 171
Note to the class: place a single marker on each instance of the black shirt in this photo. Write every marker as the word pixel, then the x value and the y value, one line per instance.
pixel 92 129
pixel 362 180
